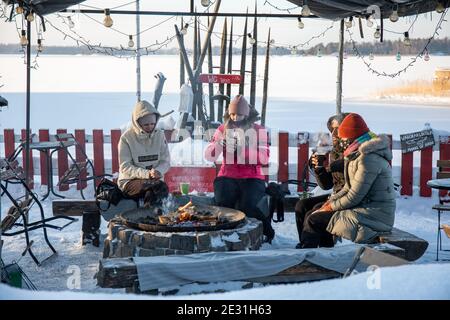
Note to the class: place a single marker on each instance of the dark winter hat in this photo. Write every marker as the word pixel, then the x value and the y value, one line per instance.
pixel 239 106
pixel 352 127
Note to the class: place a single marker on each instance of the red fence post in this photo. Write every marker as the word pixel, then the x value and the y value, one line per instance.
pixel 115 137
pixel 302 163
pixel 30 155
pixel 43 136
pixel 99 157
pixel 444 154
pixel 407 174
pixel 426 171
pixel 63 163
pixel 80 137
pixel 10 145
pixel 390 145
pixel 283 156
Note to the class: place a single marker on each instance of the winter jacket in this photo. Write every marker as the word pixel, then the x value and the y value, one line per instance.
pixel 139 151
pixel 247 161
pixel 365 207
pixel 332 178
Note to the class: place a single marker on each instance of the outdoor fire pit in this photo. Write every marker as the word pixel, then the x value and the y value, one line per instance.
pixel 189 228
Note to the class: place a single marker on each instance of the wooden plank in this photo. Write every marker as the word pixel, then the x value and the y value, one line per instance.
pixel 115 137
pixel 219 78
pixel 302 163
pixel 414 246
pixel 99 156
pixel 63 163
pixel 283 156
pixel 30 156
pixel 10 145
pixel 444 154
pixel 43 136
pixel 426 171
pixel 80 137
pixel 407 174
pixel 70 207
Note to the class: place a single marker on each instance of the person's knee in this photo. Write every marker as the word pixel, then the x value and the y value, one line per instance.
pixel 300 206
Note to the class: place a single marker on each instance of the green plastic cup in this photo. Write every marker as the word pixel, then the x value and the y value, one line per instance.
pixel 184 187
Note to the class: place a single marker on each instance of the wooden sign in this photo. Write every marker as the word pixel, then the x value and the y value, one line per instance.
pixel 416 140
pixel 219 78
pixel 200 179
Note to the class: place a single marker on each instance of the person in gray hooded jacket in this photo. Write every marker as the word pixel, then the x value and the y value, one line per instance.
pixel 144 156
pixel 365 207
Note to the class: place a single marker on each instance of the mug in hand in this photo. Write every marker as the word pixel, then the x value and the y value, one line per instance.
pixel 321 159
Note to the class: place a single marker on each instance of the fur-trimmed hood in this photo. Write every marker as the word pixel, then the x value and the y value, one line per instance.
pixel 379 145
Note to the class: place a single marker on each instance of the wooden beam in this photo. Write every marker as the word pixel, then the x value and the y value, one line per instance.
pixel 266 83
pixel 243 57
pixel 254 58
pixel 230 59
pixel 212 115
pixel 414 246
pixel 223 58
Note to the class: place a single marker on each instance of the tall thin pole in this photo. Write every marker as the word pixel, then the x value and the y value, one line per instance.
pixel 138 53
pixel 254 57
pixel 340 67
pixel 266 83
pixel 27 124
pixel 243 56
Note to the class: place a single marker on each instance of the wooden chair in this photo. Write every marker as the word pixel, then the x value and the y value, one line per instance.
pixel 444 203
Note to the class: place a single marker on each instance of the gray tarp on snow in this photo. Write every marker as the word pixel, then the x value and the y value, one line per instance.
pixel 167 271
pixel 338 9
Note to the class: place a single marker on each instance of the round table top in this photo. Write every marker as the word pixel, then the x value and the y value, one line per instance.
pixel 443 184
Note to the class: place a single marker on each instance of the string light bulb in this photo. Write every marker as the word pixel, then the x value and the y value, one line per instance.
pixel 19 9
pixel 394 15
pixel 371 56
pixel 349 23
pixel 70 22
pixel 30 16
pixel 23 39
pixel 300 24
pixel 398 57
pixel 184 29
pixel 272 41
pixel 440 8
pixel 369 21
pixel 426 57
pixel 377 34
pixel 294 50
pixel 319 53
pixel 40 47
pixel 251 40
pixel 305 10
pixel 130 41
pixel 206 3
pixel 407 41
pixel 107 21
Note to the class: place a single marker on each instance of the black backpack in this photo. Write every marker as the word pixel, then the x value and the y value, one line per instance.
pixel 277 192
pixel 108 191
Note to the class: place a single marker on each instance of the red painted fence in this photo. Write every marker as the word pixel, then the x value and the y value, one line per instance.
pixel 202 178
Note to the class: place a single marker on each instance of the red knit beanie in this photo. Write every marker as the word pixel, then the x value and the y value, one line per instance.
pixel 352 127
pixel 239 106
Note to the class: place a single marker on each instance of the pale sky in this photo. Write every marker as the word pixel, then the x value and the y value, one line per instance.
pixel 284 30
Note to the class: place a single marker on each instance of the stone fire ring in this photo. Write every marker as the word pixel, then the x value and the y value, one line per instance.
pixel 234 218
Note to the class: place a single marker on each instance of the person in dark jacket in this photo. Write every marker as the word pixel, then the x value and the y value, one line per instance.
pixel 365 207
pixel 327 177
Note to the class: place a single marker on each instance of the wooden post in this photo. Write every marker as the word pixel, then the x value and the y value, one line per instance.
pixel 243 57
pixel 302 163
pixel 266 83
pixel 254 57
pixel 444 154
pixel 407 174
pixel 426 171
pixel 283 156
pixel 25 157
pixel 182 77
pixel 230 59
pixel 99 156
pixel 80 136
pixel 194 66
pixel 340 68
pixel 63 164
pixel 10 144
pixel 115 137
pixel 223 58
pixel 212 115
pixel 43 136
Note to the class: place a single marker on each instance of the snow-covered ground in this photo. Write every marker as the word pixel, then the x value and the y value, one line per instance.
pixel 426 280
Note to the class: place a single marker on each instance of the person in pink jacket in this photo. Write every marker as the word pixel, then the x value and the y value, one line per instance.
pixel 243 145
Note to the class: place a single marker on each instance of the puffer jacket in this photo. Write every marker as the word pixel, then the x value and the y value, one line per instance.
pixel 365 207
pixel 140 151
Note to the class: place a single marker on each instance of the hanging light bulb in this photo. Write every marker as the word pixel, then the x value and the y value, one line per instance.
pixel 70 22
pixel 40 47
pixel 107 21
pixel 426 57
pixel 398 57
pixel 377 34
pixel 206 3
pixel 394 15
pixel 23 39
pixel 30 16
pixel 272 41
pixel 371 56
pixel 294 50
pixel 319 53
pixel 130 41
pixel 185 29
pixel 305 9
pixel 349 23
pixel 19 9
pixel 369 21
pixel 251 40
pixel 407 41
pixel 440 8
pixel 300 25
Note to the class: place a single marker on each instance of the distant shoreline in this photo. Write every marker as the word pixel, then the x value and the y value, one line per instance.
pixel 400 101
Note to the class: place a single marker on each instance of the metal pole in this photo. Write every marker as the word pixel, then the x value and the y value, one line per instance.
pixel 340 67
pixel 27 113
pixel 138 53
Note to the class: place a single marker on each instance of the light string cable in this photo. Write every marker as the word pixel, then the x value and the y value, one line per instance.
pixel 413 60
